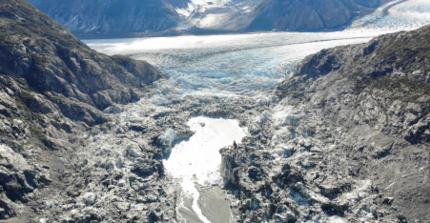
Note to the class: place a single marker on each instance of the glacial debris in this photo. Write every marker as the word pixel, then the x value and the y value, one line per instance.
pixel 348 140
pixel 53 90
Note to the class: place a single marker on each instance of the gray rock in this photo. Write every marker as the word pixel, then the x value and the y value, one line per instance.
pixel 96 18
pixel 307 15
pixel 101 17
pixel 352 130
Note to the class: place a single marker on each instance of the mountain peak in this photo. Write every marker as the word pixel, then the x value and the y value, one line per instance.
pixel 174 17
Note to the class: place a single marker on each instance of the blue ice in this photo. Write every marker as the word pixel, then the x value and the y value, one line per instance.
pixel 251 64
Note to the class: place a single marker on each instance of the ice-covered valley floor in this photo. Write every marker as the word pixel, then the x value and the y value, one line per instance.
pixel 198 159
pixel 252 63
pixel 226 69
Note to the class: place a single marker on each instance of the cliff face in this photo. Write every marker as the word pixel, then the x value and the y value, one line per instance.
pixel 348 139
pixel 344 139
pixel 102 17
pixel 390 72
pixel 116 18
pixel 308 15
pixel 52 89
pixel 58 65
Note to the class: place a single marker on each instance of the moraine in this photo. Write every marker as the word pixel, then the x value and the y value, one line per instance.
pixel 229 69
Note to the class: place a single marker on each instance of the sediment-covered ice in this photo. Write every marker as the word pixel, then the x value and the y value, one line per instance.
pixel 224 68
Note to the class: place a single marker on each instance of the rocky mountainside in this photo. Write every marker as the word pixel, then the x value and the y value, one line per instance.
pixel 347 141
pixel 102 17
pixel 174 17
pixel 308 15
pixel 52 61
pixel 344 139
pixel 52 88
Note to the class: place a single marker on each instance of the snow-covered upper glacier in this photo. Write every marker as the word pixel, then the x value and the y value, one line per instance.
pixel 217 14
pixel 252 64
pixel 394 16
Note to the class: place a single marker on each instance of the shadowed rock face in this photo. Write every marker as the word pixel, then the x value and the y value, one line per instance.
pixel 101 17
pixel 389 72
pixel 179 3
pixel 308 15
pixel 367 3
pixel 62 68
pixel 116 18
pixel 346 139
pixel 52 90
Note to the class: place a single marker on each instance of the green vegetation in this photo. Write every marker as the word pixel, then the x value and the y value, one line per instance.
pixel 39 61
pixel 123 60
pixel 403 51
pixel 411 89
pixel 24 21
pixel 23 99
pixel 63 52
pixel 408 52
pixel 26 96
pixel 66 70
pixel 5 42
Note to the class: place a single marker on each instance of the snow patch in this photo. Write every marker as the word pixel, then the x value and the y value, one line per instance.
pixel 197 161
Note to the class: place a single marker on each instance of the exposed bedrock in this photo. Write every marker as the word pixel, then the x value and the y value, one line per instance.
pixel 62 70
pixel 349 139
pixel 174 17
pixel 345 139
pixel 294 15
pixel 102 17
pixel 53 90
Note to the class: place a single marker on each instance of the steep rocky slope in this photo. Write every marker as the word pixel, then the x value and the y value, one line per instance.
pixel 52 89
pixel 59 66
pixel 348 140
pixel 175 17
pixel 309 15
pixel 345 138
pixel 114 17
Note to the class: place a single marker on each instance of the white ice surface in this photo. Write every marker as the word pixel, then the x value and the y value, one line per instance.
pixel 217 14
pixel 198 159
pixel 251 64
pixel 225 64
pixel 395 16
pixel 232 66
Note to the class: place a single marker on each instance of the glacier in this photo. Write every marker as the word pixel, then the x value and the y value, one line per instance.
pixel 228 68
pixel 252 64
pixel 198 160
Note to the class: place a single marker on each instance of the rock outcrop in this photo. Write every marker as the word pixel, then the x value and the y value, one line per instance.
pixel 174 17
pixel 64 70
pixel 386 80
pixel 309 15
pixel 348 140
pixel 344 139
pixel 53 89
pixel 113 17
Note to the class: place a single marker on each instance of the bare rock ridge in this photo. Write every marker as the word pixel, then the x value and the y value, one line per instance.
pixel 390 69
pixel 354 144
pixel 52 88
pixel 101 17
pixel 134 18
pixel 62 69
pixel 308 15
pixel 345 138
